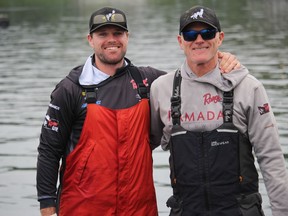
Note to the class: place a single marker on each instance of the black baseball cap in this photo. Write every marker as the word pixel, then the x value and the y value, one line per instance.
pixel 107 16
pixel 199 14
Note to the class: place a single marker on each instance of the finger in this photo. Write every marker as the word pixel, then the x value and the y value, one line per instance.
pixel 230 66
pixel 227 59
pixel 228 62
pixel 237 66
pixel 233 66
pixel 220 54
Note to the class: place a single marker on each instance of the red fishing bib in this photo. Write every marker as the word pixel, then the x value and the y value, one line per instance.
pixel 110 170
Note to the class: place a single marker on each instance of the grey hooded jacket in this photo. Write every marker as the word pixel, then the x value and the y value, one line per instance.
pixel 201 110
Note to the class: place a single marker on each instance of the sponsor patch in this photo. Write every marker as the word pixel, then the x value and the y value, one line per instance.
pixel 51 124
pixel 54 106
pixel 264 109
pixel 134 85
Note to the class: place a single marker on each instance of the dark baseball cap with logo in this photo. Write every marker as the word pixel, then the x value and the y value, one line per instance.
pixel 107 16
pixel 199 14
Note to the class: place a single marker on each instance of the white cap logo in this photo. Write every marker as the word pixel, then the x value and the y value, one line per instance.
pixel 108 16
pixel 199 13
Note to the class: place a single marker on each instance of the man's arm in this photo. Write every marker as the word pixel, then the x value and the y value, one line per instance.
pixel 264 137
pixel 54 136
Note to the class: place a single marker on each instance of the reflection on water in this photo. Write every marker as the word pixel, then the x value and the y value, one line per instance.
pixel 43 42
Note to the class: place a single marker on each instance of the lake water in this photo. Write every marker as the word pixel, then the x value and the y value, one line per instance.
pixel 45 40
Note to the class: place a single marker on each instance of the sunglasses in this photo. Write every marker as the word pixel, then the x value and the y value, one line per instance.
pixel 206 34
pixel 115 17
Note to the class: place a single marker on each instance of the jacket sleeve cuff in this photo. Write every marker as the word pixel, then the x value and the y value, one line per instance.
pixel 46 203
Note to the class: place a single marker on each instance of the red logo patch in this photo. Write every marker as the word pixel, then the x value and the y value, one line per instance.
pixel 264 109
pixel 51 124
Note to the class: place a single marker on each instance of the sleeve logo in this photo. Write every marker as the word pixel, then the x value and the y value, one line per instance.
pixel 264 109
pixel 51 124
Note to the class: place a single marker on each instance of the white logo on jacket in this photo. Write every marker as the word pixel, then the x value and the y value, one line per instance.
pixel 215 143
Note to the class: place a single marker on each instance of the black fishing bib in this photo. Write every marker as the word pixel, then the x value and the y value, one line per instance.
pixel 212 172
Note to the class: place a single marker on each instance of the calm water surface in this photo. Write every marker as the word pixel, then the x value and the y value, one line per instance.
pixel 43 42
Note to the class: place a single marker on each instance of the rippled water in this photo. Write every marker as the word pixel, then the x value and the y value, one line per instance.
pixel 43 43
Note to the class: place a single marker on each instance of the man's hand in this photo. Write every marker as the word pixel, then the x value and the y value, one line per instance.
pixel 228 62
pixel 48 211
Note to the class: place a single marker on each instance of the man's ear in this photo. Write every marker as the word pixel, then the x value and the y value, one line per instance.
pixel 180 41
pixel 89 39
pixel 221 38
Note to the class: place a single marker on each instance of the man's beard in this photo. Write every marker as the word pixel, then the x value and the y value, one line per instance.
pixel 108 61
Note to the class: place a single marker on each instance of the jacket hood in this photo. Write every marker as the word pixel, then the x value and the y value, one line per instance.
pixel 75 74
pixel 224 82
